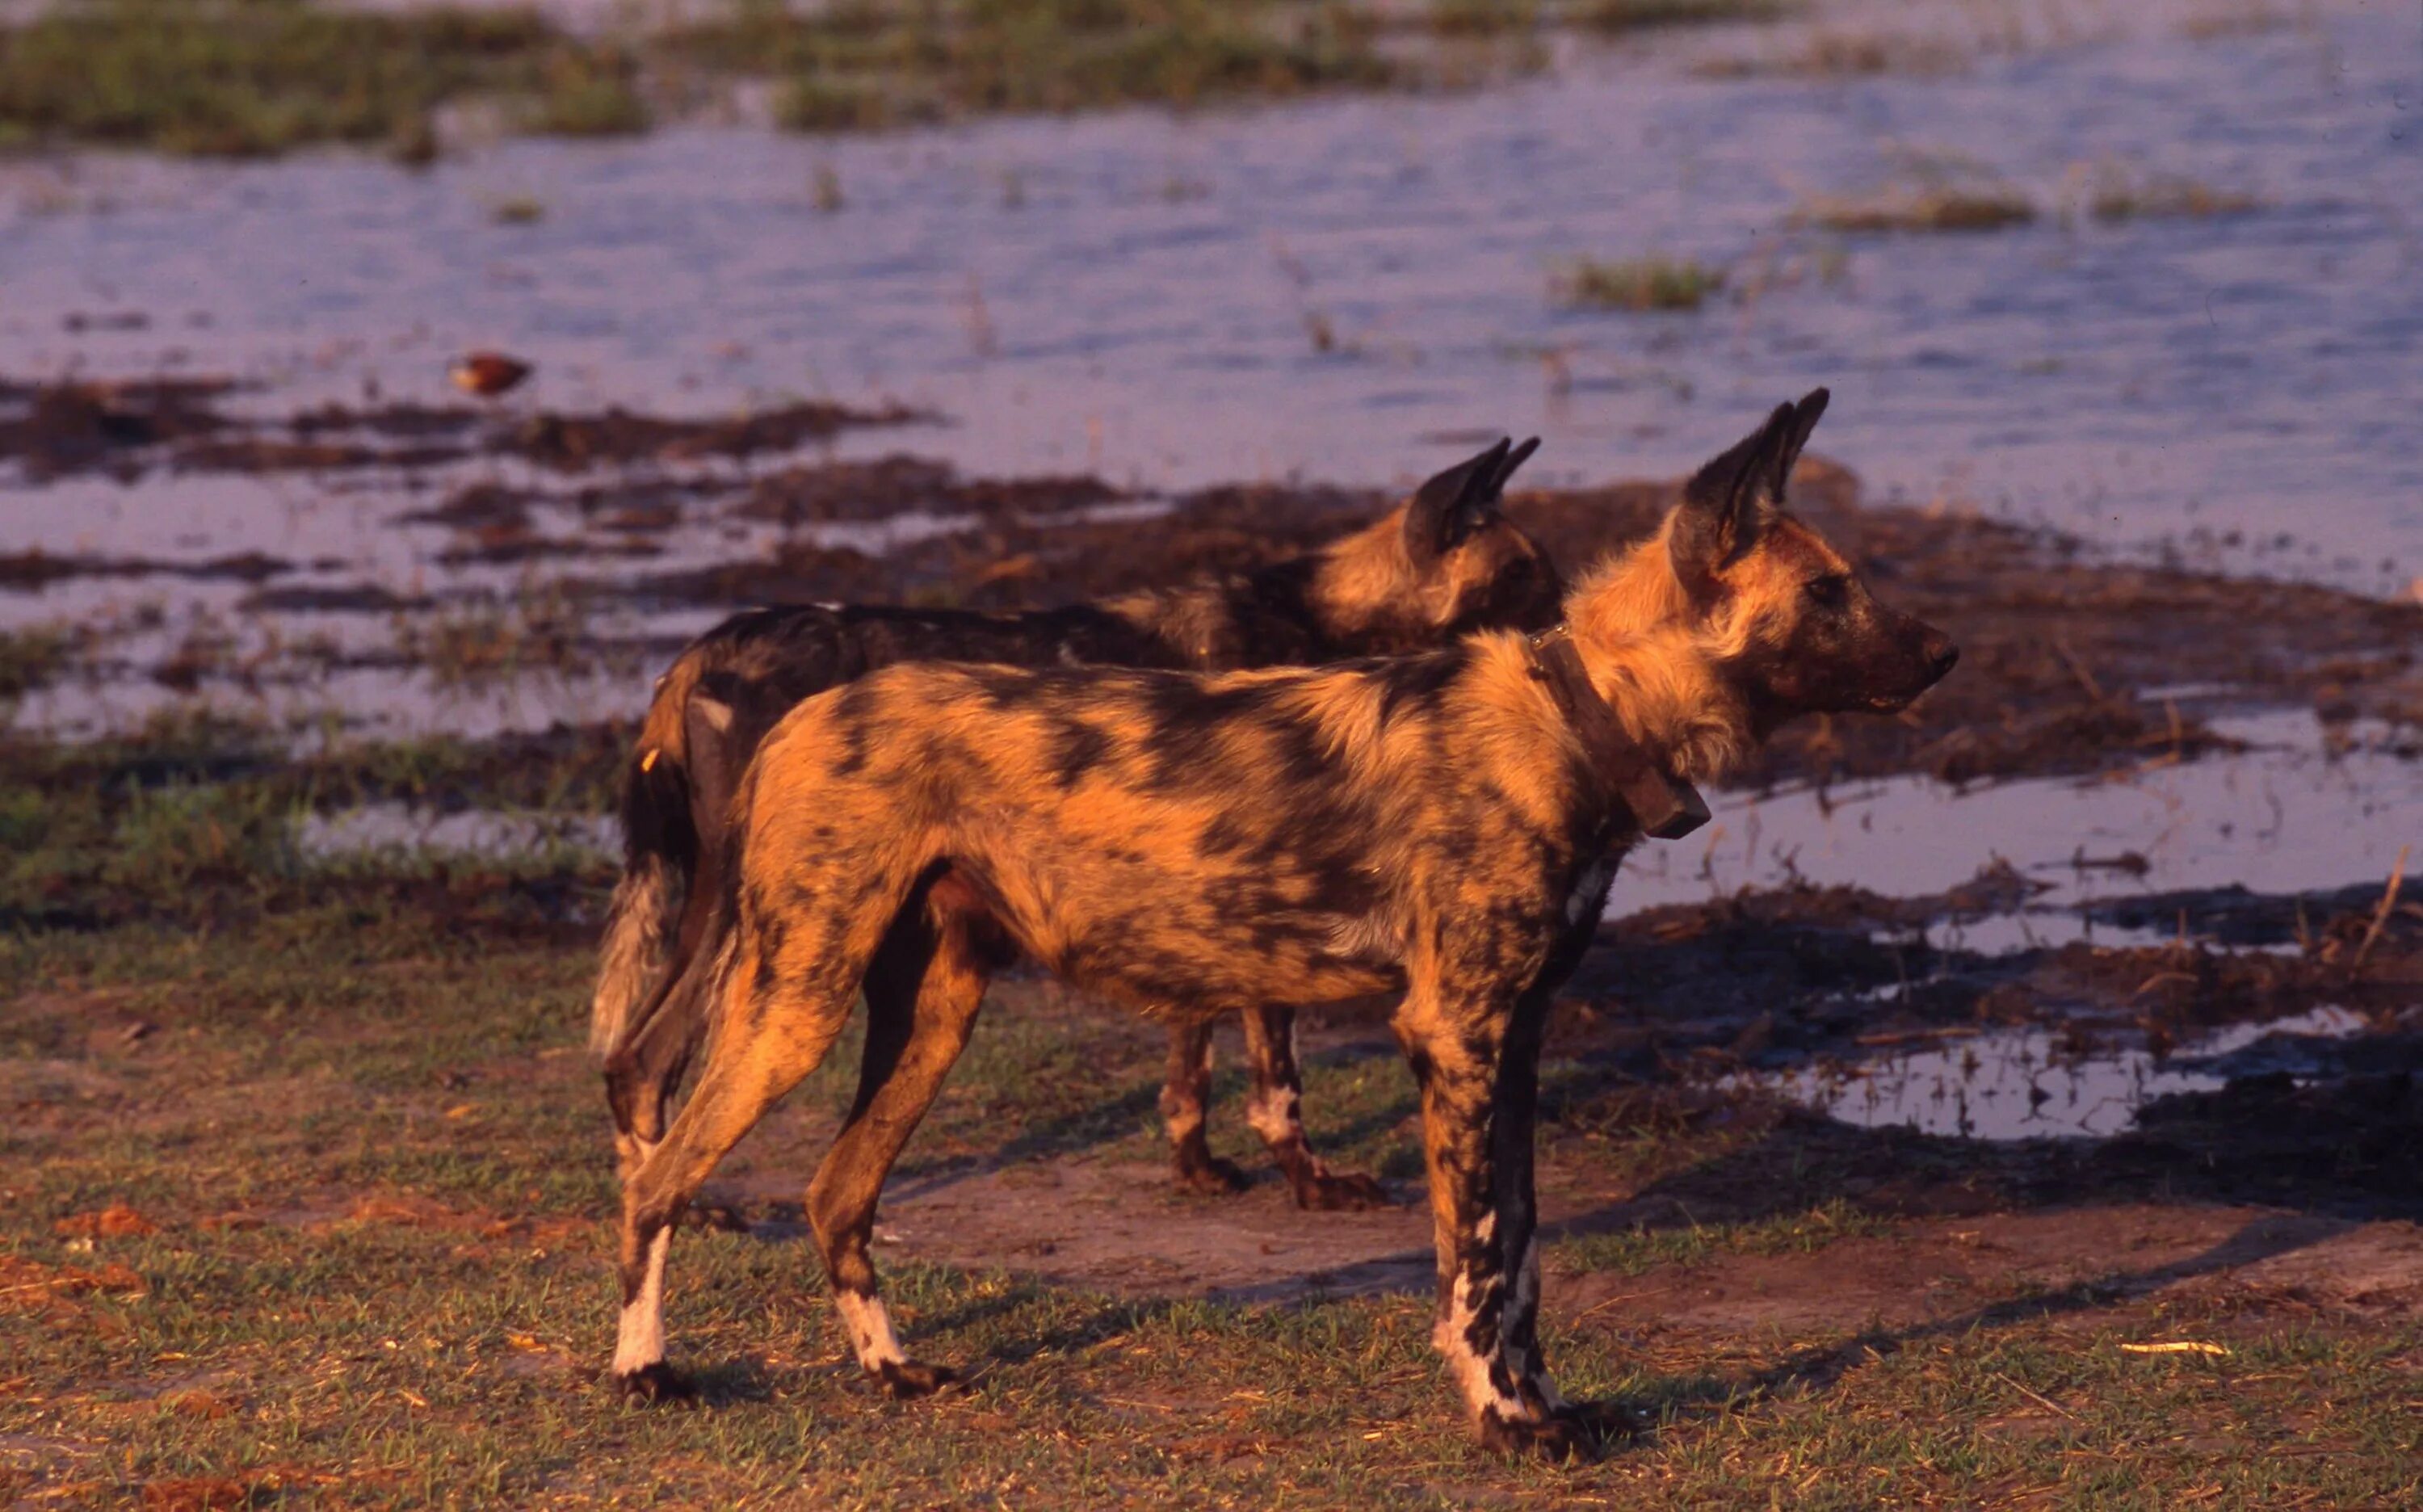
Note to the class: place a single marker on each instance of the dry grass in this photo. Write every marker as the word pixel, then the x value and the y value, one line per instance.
pixel 2114 196
pixel 1927 210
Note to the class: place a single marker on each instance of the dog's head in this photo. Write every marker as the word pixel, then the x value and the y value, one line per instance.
pixel 1799 629
pixel 1444 563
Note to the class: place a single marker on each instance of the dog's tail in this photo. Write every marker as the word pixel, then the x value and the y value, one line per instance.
pixel 660 860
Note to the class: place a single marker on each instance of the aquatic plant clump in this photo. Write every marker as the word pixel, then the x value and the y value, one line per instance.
pixel 1941 209
pixel 1643 283
pixel 1640 15
pixel 2118 198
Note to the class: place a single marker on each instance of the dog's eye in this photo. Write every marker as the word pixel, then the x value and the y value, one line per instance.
pixel 1829 593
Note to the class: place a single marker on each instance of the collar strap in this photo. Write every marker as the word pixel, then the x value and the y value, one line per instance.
pixel 1663 807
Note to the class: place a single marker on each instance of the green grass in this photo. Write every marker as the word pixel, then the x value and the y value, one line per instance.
pixel 254 77
pixel 369 1261
pixel 1644 283
pixel 380 1276
pixel 871 65
pixel 1638 1250
pixel 258 77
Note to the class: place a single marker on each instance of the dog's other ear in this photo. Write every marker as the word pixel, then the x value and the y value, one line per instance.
pixel 1507 468
pixel 1445 509
pixel 1725 503
pixel 1805 419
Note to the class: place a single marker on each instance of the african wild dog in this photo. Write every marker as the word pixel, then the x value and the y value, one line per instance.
pixel 1444 826
pixel 1444 562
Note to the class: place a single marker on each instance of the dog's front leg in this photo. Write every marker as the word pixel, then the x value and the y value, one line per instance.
pixel 1456 1042
pixel 1514 1131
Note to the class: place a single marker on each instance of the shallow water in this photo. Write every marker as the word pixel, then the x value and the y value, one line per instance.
pixel 2021 1084
pixel 1134 293
pixel 2288 814
pixel 373 827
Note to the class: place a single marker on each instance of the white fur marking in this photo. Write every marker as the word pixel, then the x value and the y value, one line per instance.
pixel 1275 1117
pixel 870 1329
pixel 1590 889
pixel 714 711
pixel 1470 1370
pixel 640 1338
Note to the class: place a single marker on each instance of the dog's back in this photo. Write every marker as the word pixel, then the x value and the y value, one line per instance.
pixel 1443 563
pixel 730 685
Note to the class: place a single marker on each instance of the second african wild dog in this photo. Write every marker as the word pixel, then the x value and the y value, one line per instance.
pixel 1444 825
pixel 1444 562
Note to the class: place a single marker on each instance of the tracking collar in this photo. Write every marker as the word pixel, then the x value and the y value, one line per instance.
pixel 1663 807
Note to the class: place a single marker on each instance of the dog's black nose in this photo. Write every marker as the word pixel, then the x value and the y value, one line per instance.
pixel 1941 655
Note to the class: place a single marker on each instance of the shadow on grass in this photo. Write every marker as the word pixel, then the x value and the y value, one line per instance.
pixel 1821 1369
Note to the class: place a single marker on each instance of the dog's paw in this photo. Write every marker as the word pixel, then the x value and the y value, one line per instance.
pixel 1605 1423
pixel 1560 1437
pixel 906 1380
pixel 1339 1191
pixel 653 1383
pixel 1212 1177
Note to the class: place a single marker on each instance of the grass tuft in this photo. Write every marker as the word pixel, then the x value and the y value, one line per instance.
pixel 518 209
pixel 31 656
pixel 542 629
pixel 2117 197
pixel 1642 15
pixel 1930 210
pixel 1642 283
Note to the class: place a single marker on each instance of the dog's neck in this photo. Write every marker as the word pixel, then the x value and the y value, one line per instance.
pixel 1657 664
pixel 1368 597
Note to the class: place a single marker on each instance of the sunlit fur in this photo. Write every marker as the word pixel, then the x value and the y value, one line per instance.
pixel 1429 826
pixel 1444 562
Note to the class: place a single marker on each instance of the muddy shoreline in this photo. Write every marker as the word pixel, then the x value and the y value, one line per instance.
pixel 2074 663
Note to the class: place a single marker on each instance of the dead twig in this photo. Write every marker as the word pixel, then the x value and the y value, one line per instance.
pixel 2380 913
pixel 2038 1397
pixel 1628 1297
pixel 2077 668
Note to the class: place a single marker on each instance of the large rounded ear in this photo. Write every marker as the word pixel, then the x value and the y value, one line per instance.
pixel 1724 504
pixel 1445 509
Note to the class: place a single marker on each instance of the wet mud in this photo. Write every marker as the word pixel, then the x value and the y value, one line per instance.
pixel 2073 662
pixel 127 428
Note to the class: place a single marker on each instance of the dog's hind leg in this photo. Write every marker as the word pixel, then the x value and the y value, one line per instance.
pixel 1185 1095
pixel 922 996
pixel 640 1078
pixel 1276 1109
pixel 784 990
